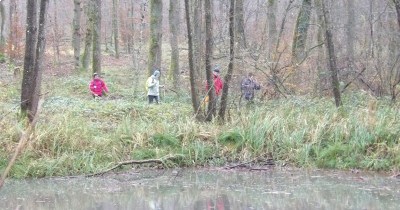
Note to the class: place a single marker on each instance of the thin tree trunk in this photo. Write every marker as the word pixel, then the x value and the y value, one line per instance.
pixel 174 28
pixel 3 20
pixel 198 44
pixel 321 63
pixel 212 103
pixel 76 37
pixel 272 29
pixel 115 27
pixel 28 78
pixel 397 6
pixel 301 31
pixel 88 36
pixel 350 32
pixel 228 76
pixel 239 14
pixel 332 58
pixel 154 60
pixel 96 65
pixel 12 51
pixel 193 87
pixel 56 42
pixel 40 49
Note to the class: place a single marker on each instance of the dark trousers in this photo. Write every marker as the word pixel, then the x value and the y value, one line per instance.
pixel 151 98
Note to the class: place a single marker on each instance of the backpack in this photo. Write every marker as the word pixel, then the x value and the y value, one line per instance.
pixel 147 83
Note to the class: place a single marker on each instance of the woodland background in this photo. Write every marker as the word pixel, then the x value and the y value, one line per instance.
pixel 283 42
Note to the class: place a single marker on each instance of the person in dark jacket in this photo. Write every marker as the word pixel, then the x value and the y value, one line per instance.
pixel 249 84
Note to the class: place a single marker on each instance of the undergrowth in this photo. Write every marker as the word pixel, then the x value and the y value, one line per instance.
pixel 77 134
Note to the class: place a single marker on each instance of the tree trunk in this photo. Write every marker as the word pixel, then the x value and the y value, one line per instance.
pixel 96 65
pixel 350 33
pixel 12 38
pixel 28 78
pixel 174 28
pixel 40 50
pixel 272 30
pixel 88 36
pixel 212 103
pixel 228 76
pixel 193 87
pixel 239 19
pixel 395 57
pixel 76 36
pixel 321 63
pixel 3 20
pixel 397 6
pixel 34 51
pixel 301 31
pixel 198 44
pixel 56 41
pixel 115 27
pixel 154 60
pixel 332 58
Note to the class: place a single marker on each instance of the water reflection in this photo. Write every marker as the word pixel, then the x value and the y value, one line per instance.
pixel 221 202
pixel 206 190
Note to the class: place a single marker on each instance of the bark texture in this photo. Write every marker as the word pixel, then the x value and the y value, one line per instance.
pixel 76 36
pixel 155 43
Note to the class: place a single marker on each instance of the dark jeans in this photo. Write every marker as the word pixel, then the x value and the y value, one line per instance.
pixel 151 98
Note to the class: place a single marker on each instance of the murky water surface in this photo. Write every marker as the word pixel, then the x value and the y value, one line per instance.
pixel 207 189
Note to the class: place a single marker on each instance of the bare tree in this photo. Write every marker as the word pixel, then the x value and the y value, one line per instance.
pixel 228 76
pixel 301 31
pixel 321 61
pixel 13 46
pixel 34 51
pixel 115 26
pixel 56 34
pixel 3 17
pixel 198 40
pixel 272 30
pixel 193 88
pixel 88 35
pixel 96 65
pixel 76 36
pixel 212 102
pixel 154 60
pixel 239 20
pixel 350 33
pixel 174 28
pixel 332 56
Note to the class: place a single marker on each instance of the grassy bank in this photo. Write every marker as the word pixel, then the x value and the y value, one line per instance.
pixel 78 135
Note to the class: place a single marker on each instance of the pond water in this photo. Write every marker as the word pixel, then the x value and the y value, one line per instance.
pixel 207 189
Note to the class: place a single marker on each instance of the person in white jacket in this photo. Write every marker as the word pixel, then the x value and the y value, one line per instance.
pixel 153 87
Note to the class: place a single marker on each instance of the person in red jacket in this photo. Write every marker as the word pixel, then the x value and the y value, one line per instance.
pixel 97 86
pixel 218 84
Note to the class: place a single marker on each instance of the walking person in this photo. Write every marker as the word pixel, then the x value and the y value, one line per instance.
pixel 248 85
pixel 153 87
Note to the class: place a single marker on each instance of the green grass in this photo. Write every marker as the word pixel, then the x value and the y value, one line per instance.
pixel 76 134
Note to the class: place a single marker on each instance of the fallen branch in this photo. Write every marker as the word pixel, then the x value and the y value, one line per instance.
pixel 130 162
